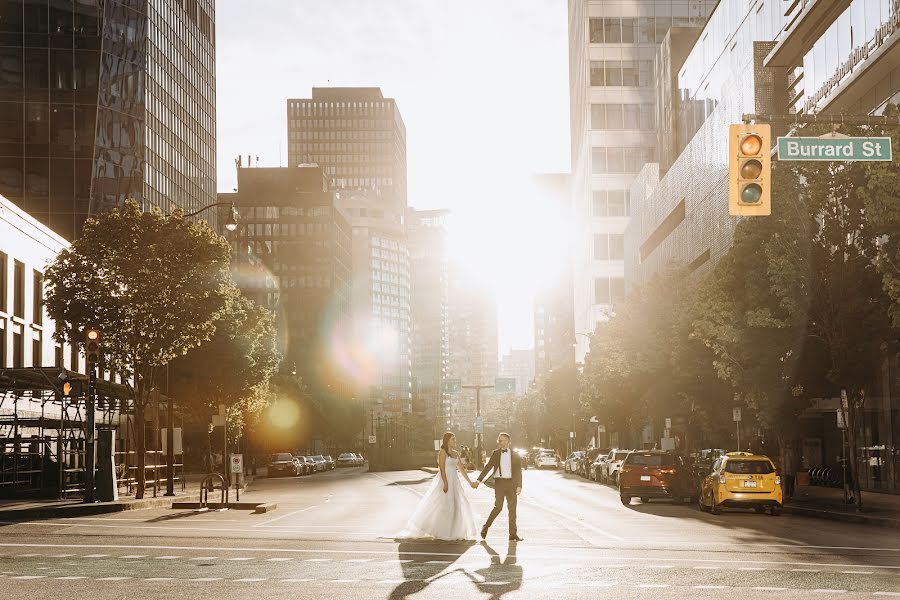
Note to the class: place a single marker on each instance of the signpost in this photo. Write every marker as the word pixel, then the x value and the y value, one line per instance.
pixel 451 386
pixel 479 424
pixel 237 470
pixel 736 416
pixel 835 148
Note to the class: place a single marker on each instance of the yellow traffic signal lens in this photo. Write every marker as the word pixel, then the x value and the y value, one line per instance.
pixel 93 334
pixel 751 194
pixel 751 145
pixel 751 169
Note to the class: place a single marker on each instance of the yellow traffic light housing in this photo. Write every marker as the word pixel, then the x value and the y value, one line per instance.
pixel 750 170
pixel 92 338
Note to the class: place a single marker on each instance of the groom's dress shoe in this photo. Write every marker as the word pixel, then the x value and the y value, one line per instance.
pixel 483 532
pixel 516 538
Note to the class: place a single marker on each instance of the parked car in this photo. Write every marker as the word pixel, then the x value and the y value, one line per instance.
pixel 596 467
pixel 301 462
pixel 612 465
pixel 362 459
pixel 523 454
pixel 650 474
pixel 329 462
pixel 584 465
pixel 310 464
pixel 321 465
pixel 283 464
pixel 547 458
pixel 742 480
pixel 347 459
pixel 571 463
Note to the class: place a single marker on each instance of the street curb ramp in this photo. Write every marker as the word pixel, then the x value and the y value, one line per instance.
pixel 88 510
pixel 842 516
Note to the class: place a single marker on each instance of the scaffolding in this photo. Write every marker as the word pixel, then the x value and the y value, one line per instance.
pixel 43 435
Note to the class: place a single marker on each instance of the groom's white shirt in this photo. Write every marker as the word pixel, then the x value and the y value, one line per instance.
pixel 505 465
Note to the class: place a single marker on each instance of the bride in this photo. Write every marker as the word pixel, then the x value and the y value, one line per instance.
pixel 444 512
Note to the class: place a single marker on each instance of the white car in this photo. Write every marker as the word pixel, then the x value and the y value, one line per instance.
pixel 596 468
pixel 571 464
pixel 613 465
pixel 546 458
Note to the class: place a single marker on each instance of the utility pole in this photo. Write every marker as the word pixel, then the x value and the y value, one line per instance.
pixel 478 422
pixel 92 339
pixel 170 438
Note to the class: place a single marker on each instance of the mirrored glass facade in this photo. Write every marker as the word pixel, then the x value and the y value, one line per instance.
pixel 102 100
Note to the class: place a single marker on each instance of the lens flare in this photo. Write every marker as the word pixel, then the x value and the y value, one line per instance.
pixel 283 414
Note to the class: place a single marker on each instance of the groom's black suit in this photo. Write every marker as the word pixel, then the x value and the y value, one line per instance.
pixel 505 485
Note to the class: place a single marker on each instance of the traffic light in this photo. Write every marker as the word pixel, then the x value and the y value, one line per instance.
pixel 92 338
pixel 750 170
pixel 73 388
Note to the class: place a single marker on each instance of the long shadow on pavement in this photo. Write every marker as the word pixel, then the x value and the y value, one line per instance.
pixel 419 574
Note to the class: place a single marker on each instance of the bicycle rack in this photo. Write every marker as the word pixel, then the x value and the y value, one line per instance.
pixel 209 484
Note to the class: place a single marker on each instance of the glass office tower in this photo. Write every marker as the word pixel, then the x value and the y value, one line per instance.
pixel 103 100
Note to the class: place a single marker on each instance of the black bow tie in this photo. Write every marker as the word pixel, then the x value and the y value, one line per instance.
pixel 504 451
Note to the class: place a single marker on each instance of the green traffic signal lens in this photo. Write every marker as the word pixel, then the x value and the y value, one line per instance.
pixel 751 169
pixel 751 194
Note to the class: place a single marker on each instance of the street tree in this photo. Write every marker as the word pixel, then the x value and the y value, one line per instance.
pixel 232 368
pixel 155 284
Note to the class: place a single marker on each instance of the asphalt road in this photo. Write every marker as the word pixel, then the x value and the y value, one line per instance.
pixel 332 537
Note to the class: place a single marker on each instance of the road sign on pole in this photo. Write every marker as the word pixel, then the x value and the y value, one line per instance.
pixel 736 415
pixel 505 385
pixel 479 424
pixel 237 463
pixel 835 148
pixel 451 386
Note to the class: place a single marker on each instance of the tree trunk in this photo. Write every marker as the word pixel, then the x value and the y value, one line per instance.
pixel 852 443
pixel 140 430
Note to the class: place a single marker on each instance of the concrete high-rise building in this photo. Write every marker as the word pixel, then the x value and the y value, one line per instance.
pixel 103 101
pixel 823 58
pixel 429 294
pixel 612 49
pixel 358 138
pixel 356 134
pixel 473 347
pixel 291 233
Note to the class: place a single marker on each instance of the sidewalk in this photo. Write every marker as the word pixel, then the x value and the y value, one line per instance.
pixel 828 503
pixel 32 508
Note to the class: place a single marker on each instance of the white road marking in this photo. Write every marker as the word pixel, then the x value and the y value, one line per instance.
pixel 652 585
pixel 769 589
pixel 27 555
pixel 805 571
pixel 290 514
pixel 891 594
pixel 30 577
pixel 392 581
pixel 704 568
pixel 59 555
pixel 251 579
pixel 318 560
pixel 343 580
pixel 295 580
pixel 240 558
pixel 206 579
pixel 96 555
pixel 71 577
pixel 205 558
pixel 134 556
pixel 438 562
pixel 396 561
pixel 711 587
pixel 113 578
pixel 598 583
pixel 661 566
pixel 279 559
pixel 360 560
pixel 158 578
pixel 167 557
pixel 858 572
pixel 751 568
pixel 495 582
pixel 827 591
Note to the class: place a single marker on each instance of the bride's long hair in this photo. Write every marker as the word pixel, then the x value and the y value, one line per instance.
pixel 445 443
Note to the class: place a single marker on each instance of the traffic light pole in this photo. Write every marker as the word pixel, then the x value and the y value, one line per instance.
pixel 827 119
pixel 170 438
pixel 478 434
pixel 90 436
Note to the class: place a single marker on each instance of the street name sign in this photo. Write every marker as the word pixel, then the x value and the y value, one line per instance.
pixel 505 385
pixel 479 424
pixel 824 149
pixel 451 386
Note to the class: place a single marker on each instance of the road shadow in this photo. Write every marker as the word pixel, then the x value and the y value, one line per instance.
pixel 500 577
pixel 410 481
pixel 418 572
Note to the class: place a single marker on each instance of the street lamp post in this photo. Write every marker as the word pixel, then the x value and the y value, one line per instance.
pixel 231 224
pixel 478 434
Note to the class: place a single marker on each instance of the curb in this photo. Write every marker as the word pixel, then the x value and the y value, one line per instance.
pixel 842 516
pixel 430 470
pixel 256 507
pixel 87 510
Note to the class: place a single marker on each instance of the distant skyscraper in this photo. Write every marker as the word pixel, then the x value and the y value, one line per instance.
pixel 473 346
pixel 427 231
pixel 518 365
pixel 358 137
pixel 612 48
pixel 103 101
pixel 356 134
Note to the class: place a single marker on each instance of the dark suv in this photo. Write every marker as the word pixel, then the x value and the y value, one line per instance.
pixel 650 474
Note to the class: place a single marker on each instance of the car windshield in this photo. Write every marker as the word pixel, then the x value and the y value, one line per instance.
pixel 282 457
pixel 649 460
pixel 345 456
pixel 548 454
pixel 749 467
pixel 620 455
pixel 319 457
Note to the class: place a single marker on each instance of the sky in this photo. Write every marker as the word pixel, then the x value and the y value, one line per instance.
pixel 482 86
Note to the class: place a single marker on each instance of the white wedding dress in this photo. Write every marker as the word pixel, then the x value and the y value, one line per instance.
pixel 443 516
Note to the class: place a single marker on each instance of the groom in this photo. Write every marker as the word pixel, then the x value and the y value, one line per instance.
pixel 507 466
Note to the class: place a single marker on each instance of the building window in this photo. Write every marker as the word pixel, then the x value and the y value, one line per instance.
pixel 38 298
pixel 18 349
pixel 609 290
pixel 630 73
pixel 18 289
pixel 609 246
pixel 37 358
pixel 4 263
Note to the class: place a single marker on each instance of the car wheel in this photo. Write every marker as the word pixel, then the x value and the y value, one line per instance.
pixel 713 505
pixel 626 500
pixel 700 504
pixel 776 511
pixel 644 499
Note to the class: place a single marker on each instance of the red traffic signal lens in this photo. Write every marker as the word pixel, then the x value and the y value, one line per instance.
pixel 751 194
pixel 751 145
pixel 751 169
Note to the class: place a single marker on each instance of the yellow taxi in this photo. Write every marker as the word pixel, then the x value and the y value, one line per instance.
pixel 741 480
